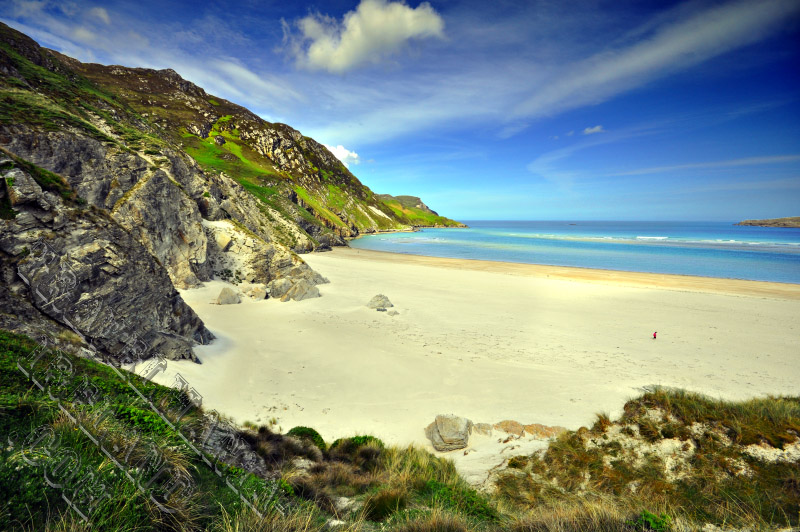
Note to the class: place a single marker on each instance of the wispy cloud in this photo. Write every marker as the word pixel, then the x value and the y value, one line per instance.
pixel 374 30
pixel 746 161
pixel 593 130
pixel 667 48
pixel 100 13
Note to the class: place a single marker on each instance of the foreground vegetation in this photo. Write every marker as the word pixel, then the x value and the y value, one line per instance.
pixel 82 439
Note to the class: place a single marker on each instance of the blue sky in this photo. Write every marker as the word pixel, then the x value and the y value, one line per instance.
pixel 611 110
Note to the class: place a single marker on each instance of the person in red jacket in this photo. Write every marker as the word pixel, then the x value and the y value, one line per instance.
pixel 654 335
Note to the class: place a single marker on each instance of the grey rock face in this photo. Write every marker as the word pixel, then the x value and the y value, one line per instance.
pixel 164 207
pixel 160 215
pixel 146 202
pixel 81 269
pixel 228 297
pixel 279 287
pixel 380 302
pixel 449 432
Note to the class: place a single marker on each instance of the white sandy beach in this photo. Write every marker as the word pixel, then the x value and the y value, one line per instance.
pixel 487 341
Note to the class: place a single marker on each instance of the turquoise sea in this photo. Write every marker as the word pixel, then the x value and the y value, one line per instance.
pixel 710 249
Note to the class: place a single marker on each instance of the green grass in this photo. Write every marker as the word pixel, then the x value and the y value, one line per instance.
pixel 45 178
pixel 319 207
pixel 122 422
pixel 308 434
pixel 416 216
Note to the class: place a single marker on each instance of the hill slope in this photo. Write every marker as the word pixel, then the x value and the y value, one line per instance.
pixel 417 213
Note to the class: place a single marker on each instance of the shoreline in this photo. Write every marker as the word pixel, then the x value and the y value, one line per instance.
pixel 672 281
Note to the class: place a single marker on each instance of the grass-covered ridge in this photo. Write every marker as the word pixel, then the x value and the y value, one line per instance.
pixel 416 213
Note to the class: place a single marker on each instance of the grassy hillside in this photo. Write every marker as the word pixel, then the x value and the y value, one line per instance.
pixel 81 439
pixel 225 137
pixel 412 209
pixel 153 113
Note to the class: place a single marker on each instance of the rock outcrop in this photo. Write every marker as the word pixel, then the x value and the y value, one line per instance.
pixel 83 272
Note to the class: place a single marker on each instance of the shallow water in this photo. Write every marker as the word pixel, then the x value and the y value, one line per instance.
pixel 710 249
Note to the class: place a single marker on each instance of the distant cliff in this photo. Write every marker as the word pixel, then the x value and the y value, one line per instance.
pixel 411 210
pixel 793 221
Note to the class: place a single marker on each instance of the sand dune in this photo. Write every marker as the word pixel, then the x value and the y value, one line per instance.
pixel 488 341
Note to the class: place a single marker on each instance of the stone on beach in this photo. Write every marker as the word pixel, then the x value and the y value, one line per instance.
pixel 301 290
pixel 379 302
pixel 258 293
pixel 227 297
pixel 449 432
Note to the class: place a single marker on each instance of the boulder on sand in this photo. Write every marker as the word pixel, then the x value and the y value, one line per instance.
pixel 449 432
pixel 227 297
pixel 379 302
pixel 301 290
pixel 258 292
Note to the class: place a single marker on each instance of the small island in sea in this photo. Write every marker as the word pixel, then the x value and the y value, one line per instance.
pixel 195 336
pixel 792 221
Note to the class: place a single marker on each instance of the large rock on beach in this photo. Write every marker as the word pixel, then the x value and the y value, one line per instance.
pixel 228 297
pixel 379 302
pixel 301 290
pixel 449 432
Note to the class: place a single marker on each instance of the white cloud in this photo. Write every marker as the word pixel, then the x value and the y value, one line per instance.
pixel 343 154
pixel 593 130
pixel 375 29
pixel 101 13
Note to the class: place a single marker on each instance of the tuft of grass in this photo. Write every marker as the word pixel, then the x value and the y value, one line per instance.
pixel 384 503
pixel 307 433
pixel 459 498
